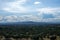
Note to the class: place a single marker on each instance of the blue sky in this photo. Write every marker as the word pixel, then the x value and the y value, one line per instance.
pixel 30 10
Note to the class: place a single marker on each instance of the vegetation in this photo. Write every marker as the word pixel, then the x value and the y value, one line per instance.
pixel 29 30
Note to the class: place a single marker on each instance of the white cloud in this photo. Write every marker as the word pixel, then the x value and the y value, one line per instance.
pixel 39 18
pixel 37 3
pixel 15 6
pixel 53 11
pixel 12 18
pixel 28 18
pixel 1 18
pixel 52 20
pixel 33 18
pixel 48 10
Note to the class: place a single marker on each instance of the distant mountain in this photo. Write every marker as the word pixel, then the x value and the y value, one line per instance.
pixel 28 23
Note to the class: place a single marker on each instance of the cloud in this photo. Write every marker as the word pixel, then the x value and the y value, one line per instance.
pixel 31 18
pixel 37 3
pixel 14 18
pixel 48 10
pixel 52 20
pixel 54 11
pixel 11 18
pixel 16 6
pixel 43 15
pixel 1 18
pixel 47 14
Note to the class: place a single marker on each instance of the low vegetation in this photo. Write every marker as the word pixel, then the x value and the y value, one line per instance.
pixel 31 31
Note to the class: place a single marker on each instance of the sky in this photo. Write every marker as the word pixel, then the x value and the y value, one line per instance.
pixel 30 10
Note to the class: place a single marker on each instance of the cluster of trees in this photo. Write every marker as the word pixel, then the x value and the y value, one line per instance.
pixel 30 30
